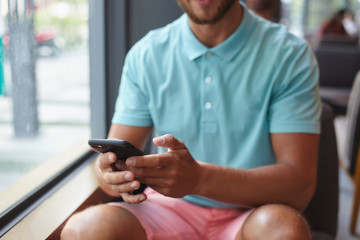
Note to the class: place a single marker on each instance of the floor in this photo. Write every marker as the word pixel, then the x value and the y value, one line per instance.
pixel 346 191
pixel 345 198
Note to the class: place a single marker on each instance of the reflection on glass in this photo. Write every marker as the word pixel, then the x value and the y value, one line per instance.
pixel 44 82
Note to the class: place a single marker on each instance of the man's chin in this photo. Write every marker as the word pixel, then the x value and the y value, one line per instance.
pixel 206 20
pixel 200 11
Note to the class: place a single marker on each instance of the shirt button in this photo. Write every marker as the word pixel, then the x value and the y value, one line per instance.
pixel 208 105
pixel 208 79
pixel 208 54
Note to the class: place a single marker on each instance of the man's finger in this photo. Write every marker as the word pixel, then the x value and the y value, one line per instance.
pixel 133 199
pixel 106 160
pixel 149 161
pixel 118 177
pixel 169 141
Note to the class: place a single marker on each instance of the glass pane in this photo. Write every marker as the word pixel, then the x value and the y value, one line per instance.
pixel 44 82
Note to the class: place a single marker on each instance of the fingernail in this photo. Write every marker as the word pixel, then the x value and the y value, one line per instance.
pixel 141 198
pixel 111 158
pixel 133 185
pixel 131 161
pixel 160 139
pixel 128 176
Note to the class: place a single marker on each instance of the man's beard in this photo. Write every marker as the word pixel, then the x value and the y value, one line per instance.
pixel 222 10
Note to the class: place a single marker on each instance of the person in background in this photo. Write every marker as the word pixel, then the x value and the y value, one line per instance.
pixel 234 102
pixel 268 9
pixel 334 27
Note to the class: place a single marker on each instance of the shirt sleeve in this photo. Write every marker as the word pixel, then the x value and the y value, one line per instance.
pixel 296 105
pixel 131 106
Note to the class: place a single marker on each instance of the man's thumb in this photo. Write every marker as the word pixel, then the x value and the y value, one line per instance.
pixel 169 141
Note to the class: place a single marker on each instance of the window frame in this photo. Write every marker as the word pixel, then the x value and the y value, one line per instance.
pixel 17 211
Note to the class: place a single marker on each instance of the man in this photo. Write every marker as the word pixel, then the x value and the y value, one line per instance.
pixel 234 99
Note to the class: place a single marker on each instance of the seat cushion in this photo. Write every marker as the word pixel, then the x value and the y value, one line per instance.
pixel 321 236
pixel 338 65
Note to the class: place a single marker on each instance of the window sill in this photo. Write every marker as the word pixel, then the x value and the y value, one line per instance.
pixel 36 177
pixel 46 220
pixel 77 190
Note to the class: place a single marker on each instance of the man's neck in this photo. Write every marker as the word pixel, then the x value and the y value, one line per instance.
pixel 212 35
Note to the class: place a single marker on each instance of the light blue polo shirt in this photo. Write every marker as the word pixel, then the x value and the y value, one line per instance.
pixel 223 102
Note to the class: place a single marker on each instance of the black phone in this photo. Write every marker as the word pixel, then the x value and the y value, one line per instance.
pixel 123 149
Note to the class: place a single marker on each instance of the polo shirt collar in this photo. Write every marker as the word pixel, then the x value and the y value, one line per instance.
pixel 227 50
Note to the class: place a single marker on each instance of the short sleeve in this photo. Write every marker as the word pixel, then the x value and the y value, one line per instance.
pixel 295 104
pixel 131 106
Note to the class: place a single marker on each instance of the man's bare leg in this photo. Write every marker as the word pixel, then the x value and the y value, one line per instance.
pixel 103 222
pixel 275 221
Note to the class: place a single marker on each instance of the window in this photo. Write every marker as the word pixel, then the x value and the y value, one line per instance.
pixel 113 27
pixel 44 79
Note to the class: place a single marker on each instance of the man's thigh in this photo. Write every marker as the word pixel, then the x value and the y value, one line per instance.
pixel 171 218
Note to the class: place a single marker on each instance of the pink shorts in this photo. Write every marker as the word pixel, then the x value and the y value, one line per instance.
pixel 171 218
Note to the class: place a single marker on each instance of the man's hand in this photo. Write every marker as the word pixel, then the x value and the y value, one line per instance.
pixel 118 183
pixel 173 174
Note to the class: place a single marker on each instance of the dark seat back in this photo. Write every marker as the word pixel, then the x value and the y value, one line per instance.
pixel 338 65
pixel 322 212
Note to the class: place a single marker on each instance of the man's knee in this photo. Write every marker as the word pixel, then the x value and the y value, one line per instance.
pixel 84 223
pixel 275 221
pixel 99 222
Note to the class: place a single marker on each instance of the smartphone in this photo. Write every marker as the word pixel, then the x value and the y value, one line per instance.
pixel 122 149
